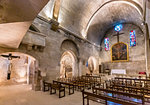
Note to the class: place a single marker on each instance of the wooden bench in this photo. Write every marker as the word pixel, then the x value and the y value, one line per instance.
pixel 115 85
pixel 70 86
pixel 46 86
pixel 133 81
pixel 98 98
pixel 118 93
pixel 79 84
pixel 57 87
pixel 92 80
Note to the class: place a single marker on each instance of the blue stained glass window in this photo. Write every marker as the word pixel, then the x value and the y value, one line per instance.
pixel 106 41
pixel 132 38
pixel 118 27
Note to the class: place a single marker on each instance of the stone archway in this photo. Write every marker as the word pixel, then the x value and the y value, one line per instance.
pixel 92 66
pixel 22 69
pixel 68 65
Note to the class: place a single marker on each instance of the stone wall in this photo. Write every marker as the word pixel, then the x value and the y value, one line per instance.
pixel 136 61
pixel 49 58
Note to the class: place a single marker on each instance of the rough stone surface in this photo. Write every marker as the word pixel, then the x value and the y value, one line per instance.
pixel 23 95
pixel 75 15
pixel 121 13
pixel 49 58
pixel 34 38
pixel 136 54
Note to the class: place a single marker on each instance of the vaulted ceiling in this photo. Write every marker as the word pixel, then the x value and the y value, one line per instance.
pixel 115 13
pixel 15 18
pixel 92 18
pixel 87 18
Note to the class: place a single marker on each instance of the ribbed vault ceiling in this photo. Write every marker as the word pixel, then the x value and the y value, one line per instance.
pixel 92 18
pixel 108 16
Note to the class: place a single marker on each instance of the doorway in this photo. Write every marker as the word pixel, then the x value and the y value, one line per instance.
pixel 68 64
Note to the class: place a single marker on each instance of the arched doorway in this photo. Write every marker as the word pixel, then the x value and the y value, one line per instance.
pixel 92 66
pixel 68 63
pixel 17 70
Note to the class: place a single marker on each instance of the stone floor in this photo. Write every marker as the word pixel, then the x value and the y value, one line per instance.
pixel 23 95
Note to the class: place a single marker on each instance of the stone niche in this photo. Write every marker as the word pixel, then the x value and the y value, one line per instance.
pixel 21 69
pixel 69 62
pixel 136 61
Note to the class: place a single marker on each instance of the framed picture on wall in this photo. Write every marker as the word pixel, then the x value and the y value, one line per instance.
pixel 119 52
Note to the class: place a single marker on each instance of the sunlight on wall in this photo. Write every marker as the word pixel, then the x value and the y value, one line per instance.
pixel 22 73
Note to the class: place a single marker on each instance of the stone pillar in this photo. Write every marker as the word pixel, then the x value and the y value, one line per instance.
pixel 80 67
pixel 147 23
pixel 147 49
pixel 36 85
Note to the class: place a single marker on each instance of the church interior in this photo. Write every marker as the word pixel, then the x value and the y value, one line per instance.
pixel 75 52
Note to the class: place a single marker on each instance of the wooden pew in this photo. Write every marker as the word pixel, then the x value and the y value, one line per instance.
pixel 133 81
pixel 46 86
pixel 70 85
pixel 141 97
pixel 114 84
pixel 57 87
pixel 92 80
pixel 145 91
pixel 97 98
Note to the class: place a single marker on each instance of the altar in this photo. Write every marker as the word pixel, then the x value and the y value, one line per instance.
pixel 118 71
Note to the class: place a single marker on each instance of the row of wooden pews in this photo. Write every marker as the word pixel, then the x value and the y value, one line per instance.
pixel 75 83
pixel 137 86
pixel 104 99
pixel 125 91
pixel 83 82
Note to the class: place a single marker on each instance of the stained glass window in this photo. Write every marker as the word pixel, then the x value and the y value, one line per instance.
pixel 132 38
pixel 118 27
pixel 106 41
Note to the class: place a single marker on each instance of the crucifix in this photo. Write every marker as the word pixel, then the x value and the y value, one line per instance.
pixel 118 28
pixel 118 34
pixel 10 57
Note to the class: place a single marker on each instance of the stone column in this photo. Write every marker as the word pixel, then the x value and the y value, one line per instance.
pixel 147 58
pixel 80 67
pixel 147 23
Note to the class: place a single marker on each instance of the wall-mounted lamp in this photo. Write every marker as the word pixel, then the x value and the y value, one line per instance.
pixel 54 24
